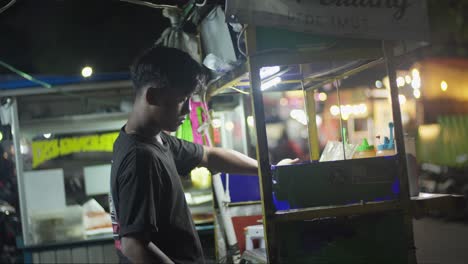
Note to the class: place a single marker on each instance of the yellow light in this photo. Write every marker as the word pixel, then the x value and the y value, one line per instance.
pixel 322 97
pixel 378 84
pixel 417 94
pixel 362 108
pixel 345 117
pixel 400 81
pixel 416 83
pixel 346 110
pixel 415 73
pixel 408 79
pixel 299 115
pixel 229 126
pixel 402 99
pixel 386 82
pixel 1 137
pixel 443 86
pixel 356 110
pixel 334 110
pixel 429 132
pixel 87 71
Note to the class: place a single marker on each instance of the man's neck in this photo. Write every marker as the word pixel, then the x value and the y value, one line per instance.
pixel 138 124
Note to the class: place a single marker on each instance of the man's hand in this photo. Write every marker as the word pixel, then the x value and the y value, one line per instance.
pixel 139 251
pixel 288 162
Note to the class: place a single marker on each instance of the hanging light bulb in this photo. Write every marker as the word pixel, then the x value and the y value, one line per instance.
pixel 87 72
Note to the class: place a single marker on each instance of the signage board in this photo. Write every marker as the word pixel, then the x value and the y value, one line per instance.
pixel 370 19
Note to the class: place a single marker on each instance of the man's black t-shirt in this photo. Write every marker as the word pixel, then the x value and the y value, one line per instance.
pixel 147 198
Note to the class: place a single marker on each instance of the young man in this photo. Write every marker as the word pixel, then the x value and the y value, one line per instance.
pixel 151 219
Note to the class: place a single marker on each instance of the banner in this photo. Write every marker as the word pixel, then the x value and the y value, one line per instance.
pixel 45 150
pixel 370 19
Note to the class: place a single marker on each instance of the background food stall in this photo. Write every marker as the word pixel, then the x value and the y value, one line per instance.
pixel 64 142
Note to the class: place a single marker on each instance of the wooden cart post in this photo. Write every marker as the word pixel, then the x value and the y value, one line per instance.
pixel 264 171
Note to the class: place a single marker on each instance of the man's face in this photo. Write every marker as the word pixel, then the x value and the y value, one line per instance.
pixel 173 111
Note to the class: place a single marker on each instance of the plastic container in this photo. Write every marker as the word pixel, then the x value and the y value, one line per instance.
pixel 58 225
pixel 364 150
pixel 388 147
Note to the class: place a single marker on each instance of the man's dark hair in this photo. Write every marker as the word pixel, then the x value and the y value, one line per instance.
pixel 167 68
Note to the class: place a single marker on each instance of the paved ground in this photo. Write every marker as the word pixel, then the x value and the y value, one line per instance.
pixel 441 242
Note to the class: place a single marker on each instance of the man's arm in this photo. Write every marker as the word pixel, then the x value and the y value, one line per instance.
pixel 139 251
pixel 231 161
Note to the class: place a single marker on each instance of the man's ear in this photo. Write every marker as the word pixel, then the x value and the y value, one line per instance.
pixel 153 96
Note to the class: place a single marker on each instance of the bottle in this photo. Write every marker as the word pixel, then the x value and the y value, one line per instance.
pixel 388 147
pixel 364 150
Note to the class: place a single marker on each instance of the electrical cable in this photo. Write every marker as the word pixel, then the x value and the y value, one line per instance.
pixel 238 41
pixel 238 90
pixel 202 4
pixel 24 75
pixel 49 86
pixel 207 115
pixel 3 9
pixel 149 4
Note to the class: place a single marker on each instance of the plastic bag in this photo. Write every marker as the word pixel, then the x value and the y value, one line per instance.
pixel 334 151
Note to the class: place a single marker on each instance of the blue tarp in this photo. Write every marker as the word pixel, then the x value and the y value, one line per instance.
pixel 16 82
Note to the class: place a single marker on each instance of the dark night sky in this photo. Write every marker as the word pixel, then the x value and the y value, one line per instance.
pixel 61 36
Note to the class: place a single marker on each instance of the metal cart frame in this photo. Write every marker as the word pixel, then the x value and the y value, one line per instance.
pixel 255 61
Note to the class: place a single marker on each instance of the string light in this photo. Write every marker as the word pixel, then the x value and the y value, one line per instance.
pixel 443 86
pixel 347 110
pixel 378 84
pixel 400 81
pixel 335 110
pixel 322 97
pixel 408 79
pixel 416 83
pixel 415 73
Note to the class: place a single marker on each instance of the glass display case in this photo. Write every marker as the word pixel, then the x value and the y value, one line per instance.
pixel 330 120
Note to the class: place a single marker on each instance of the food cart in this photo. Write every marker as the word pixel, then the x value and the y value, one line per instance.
pixel 340 209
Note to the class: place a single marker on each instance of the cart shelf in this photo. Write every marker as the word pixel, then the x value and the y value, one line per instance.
pixel 336 211
pixel 239 76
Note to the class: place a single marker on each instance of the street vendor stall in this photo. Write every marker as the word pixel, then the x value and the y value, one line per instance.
pixel 351 204
pixel 63 140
